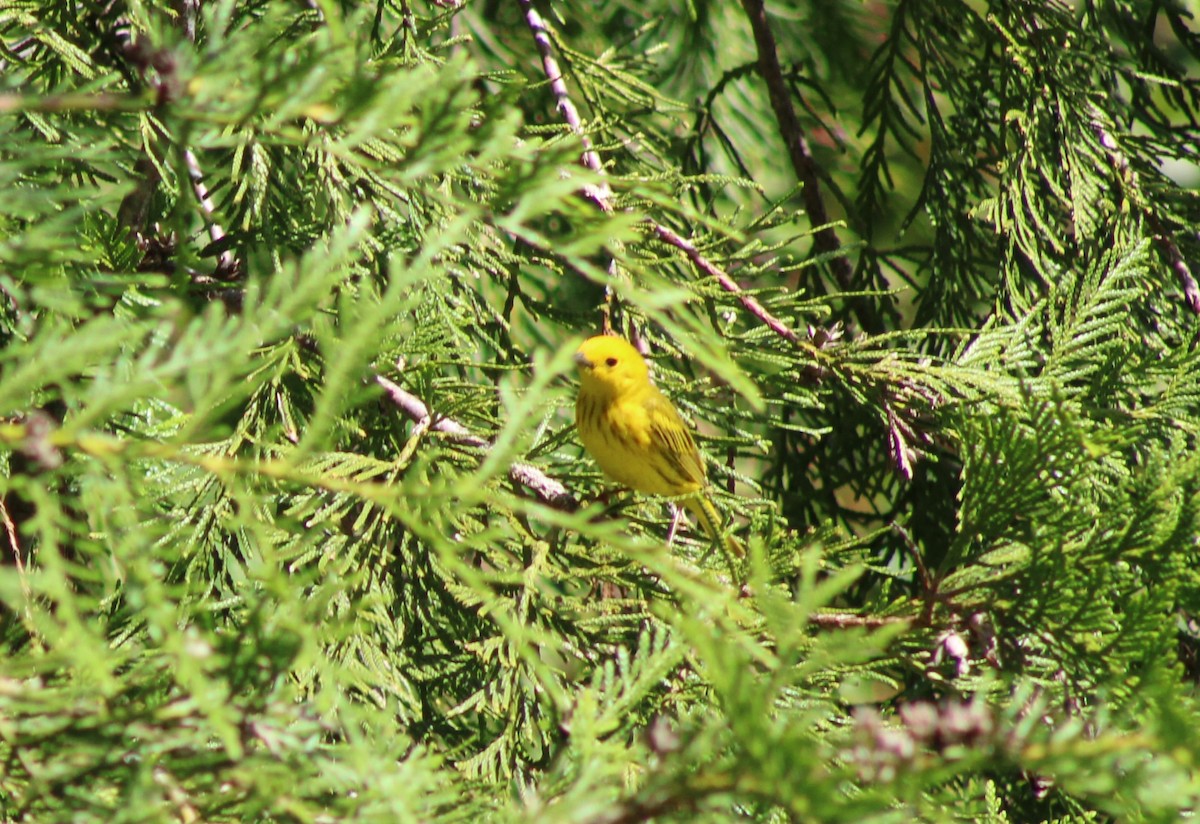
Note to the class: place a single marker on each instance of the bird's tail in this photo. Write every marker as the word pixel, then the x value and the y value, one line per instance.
pixel 703 511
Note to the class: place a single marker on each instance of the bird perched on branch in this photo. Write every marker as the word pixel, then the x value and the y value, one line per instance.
pixel 636 435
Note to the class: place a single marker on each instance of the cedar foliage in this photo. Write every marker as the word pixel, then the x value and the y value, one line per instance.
pixel 242 581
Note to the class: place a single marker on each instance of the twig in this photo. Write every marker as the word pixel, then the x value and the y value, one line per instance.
pixel 803 164
pixel 74 102
pixel 547 490
pixel 226 264
pixel 14 543
pixel 914 552
pixel 727 283
pixel 1177 263
pixel 1162 238
pixel 601 194
pixel 840 620
pixel 158 67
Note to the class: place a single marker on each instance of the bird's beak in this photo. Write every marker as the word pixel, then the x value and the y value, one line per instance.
pixel 582 362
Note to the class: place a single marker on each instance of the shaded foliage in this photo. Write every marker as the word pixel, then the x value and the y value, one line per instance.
pixel 295 522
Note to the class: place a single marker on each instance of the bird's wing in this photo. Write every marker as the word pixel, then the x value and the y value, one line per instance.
pixel 672 439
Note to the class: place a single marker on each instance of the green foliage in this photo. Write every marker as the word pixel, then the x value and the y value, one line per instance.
pixel 295 523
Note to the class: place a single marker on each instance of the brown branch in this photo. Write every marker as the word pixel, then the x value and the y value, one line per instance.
pixel 803 164
pixel 841 620
pixel 226 264
pixel 1176 262
pixel 929 594
pixel 548 491
pixel 918 561
pixel 158 69
pixel 72 102
pixel 793 137
pixel 727 283
pixel 14 542
pixel 601 194
pixel 1162 237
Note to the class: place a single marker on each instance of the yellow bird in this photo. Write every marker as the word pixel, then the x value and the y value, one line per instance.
pixel 636 435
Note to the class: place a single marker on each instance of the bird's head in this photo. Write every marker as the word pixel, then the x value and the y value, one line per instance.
pixel 611 366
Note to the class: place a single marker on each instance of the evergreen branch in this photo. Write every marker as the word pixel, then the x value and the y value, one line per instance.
pixel 803 163
pixel 294 623
pixel 548 491
pixel 839 620
pixel 18 561
pixel 727 283
pixel 226 264
pixel 1176 261
pixel 601 194
pixel 1162 238
pixel 10 530
pixel 74 102
pixel 105 447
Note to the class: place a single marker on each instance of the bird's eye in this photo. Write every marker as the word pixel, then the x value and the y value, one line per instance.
pixel 611 361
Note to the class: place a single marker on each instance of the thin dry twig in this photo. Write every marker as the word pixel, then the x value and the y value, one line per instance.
pixel 1162 237
pixel 159 69
pixel 803 164
pixel 602 195
pixel 1176 262
pixel 14 543
pixel 915 552
pixel 842 620
pixel 73 102
pixel 928 588
pixel 548 491
pixel 226 265
pixel 727 283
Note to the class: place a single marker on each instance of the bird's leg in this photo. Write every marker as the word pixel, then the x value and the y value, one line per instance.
pixel 676 517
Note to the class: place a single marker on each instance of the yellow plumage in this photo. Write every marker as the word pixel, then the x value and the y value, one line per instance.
pixel 635 434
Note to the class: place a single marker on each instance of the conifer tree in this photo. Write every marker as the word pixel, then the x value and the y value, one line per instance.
pixel 296 525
